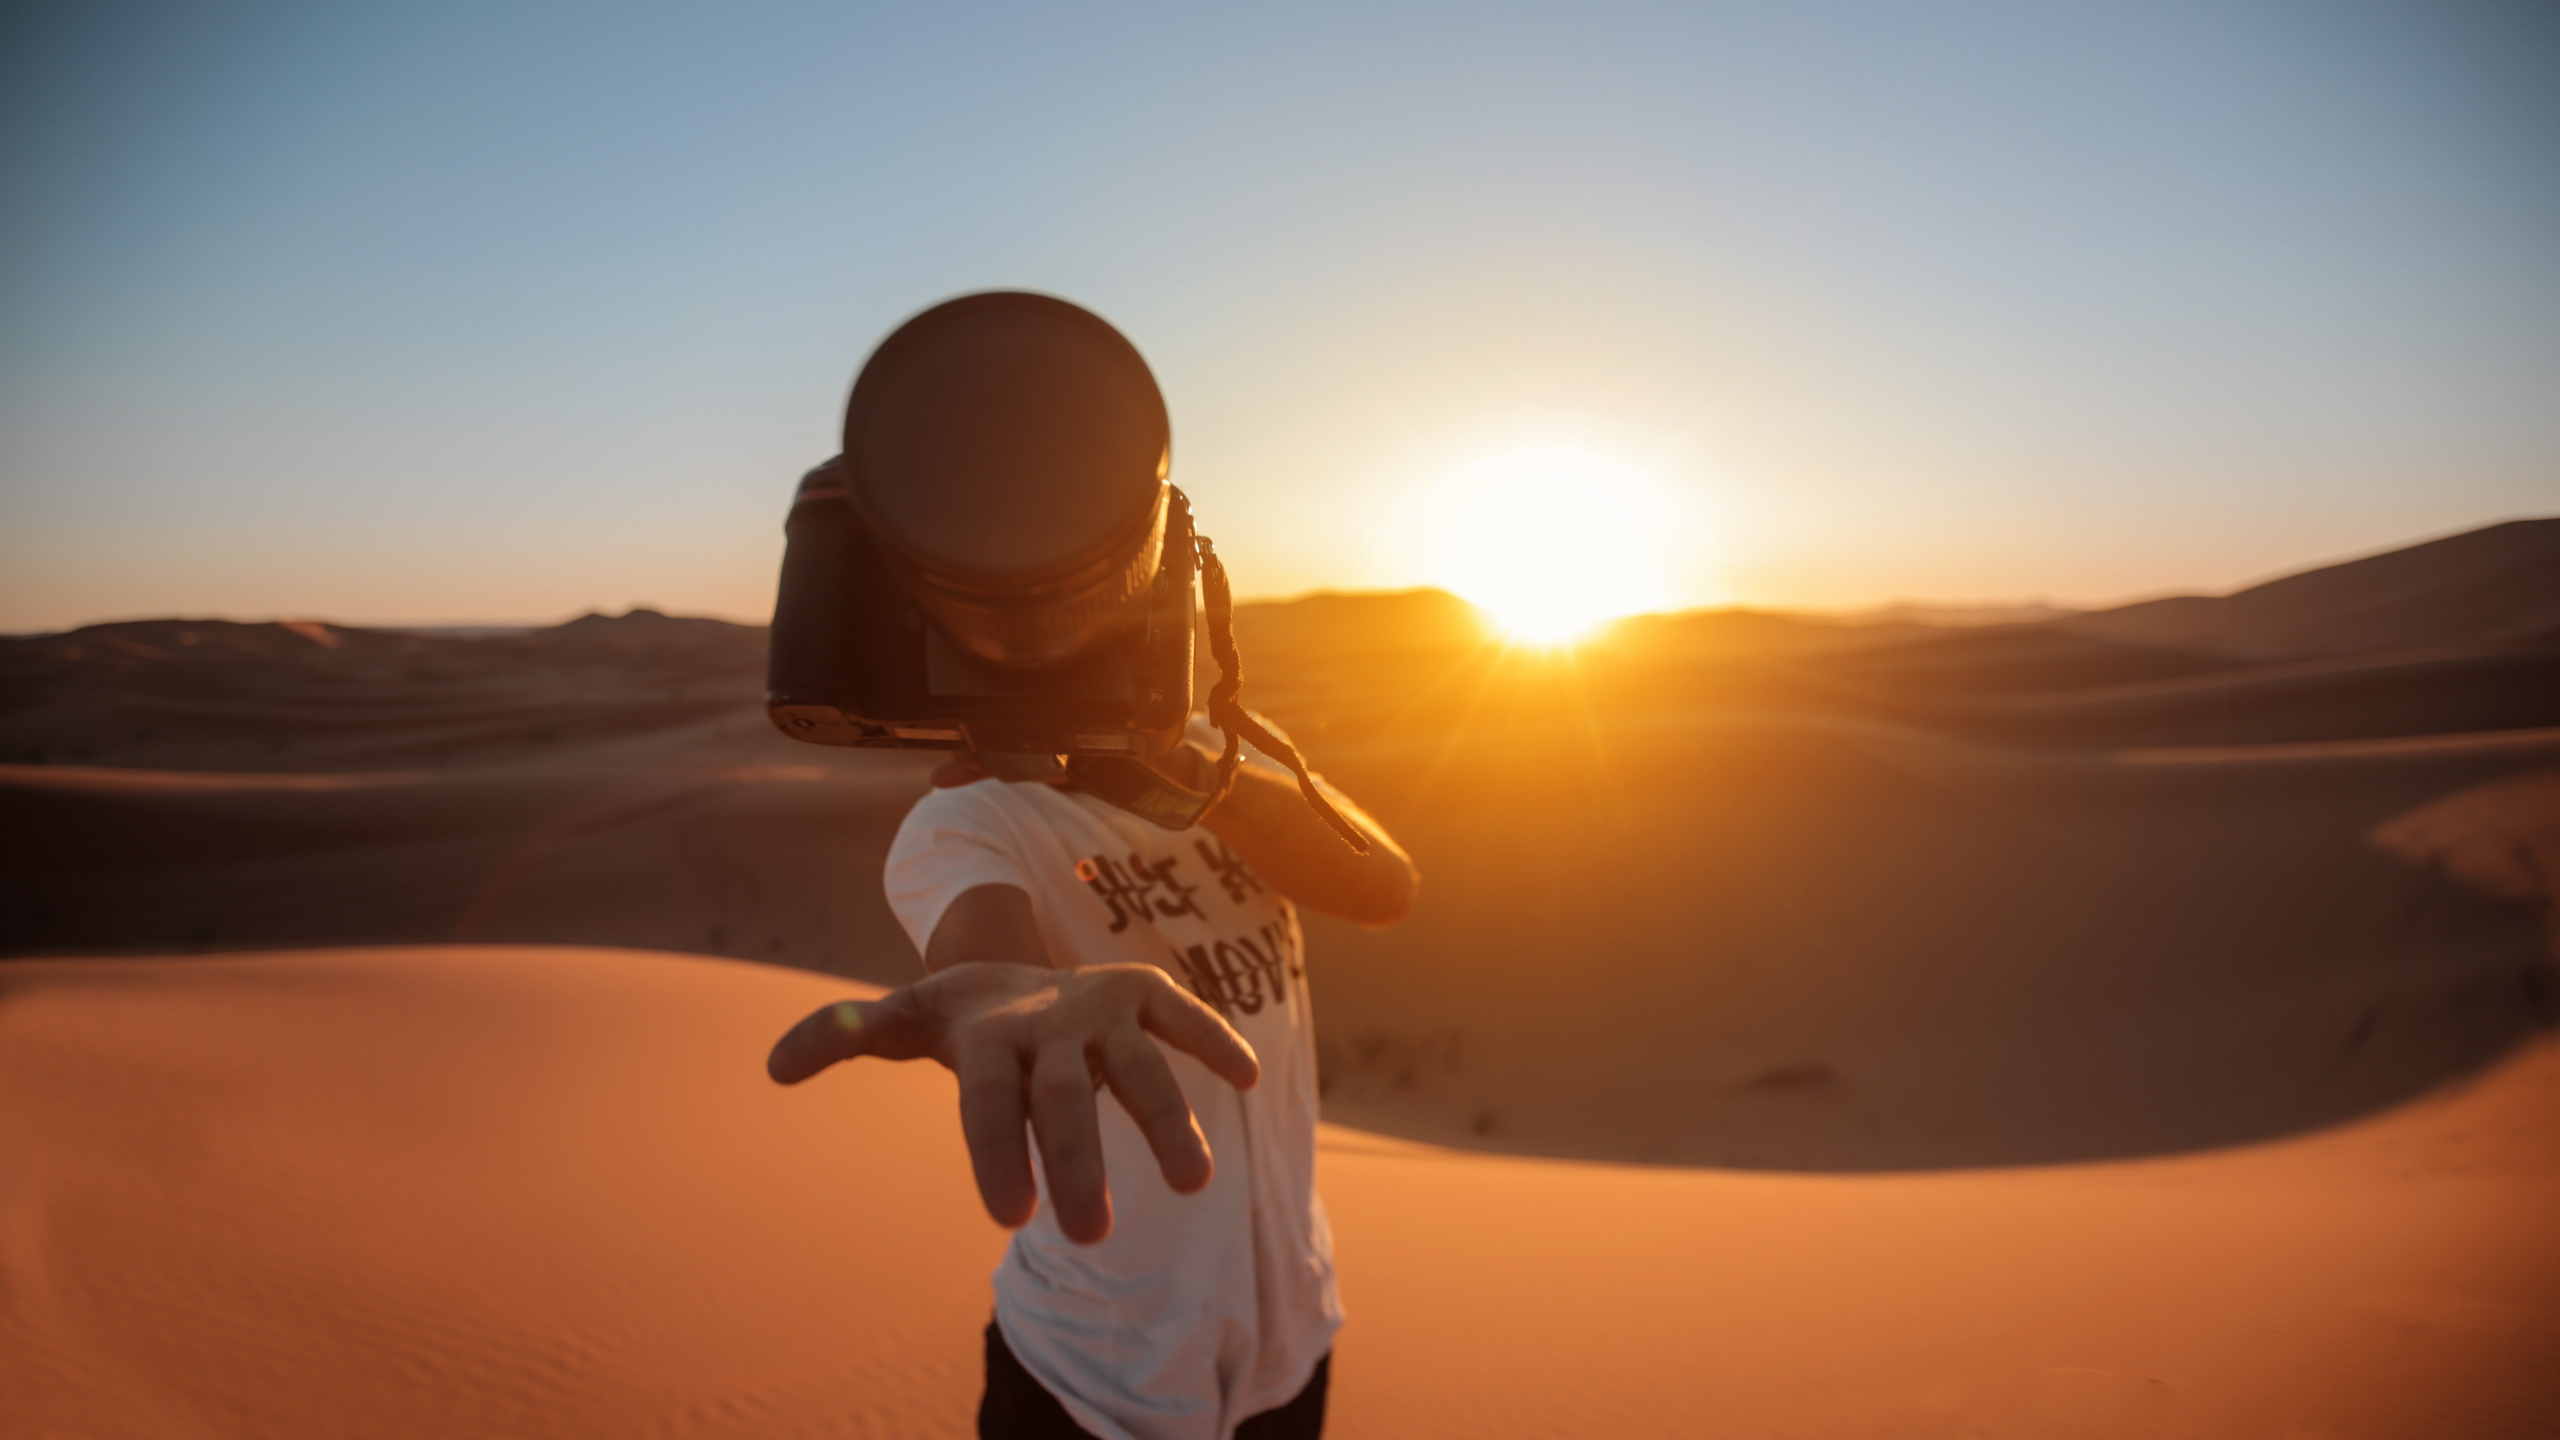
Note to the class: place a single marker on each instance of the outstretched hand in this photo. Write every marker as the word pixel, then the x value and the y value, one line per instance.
pixel 1034 1045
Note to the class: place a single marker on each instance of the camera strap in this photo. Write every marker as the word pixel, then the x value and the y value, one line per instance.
pixel 1226 710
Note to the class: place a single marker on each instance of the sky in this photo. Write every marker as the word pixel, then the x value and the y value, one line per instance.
pixel 499 313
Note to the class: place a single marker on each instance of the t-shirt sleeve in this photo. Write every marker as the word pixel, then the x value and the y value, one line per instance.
pixel 952 842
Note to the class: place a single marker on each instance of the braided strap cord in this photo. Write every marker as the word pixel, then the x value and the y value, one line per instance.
pixel 1227 712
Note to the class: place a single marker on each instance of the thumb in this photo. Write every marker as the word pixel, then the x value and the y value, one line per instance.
pixel 887 1027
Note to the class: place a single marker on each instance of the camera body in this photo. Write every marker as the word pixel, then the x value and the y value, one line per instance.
pixel 856 661
pixel 995 562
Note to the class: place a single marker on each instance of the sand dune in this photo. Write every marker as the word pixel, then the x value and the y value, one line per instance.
pixel 1799 895
pixel 2024 1030
pixel 302 695
pixel 1858 950
pixel 547 1192
pixel 2487 586
pixel 777 862
pixel 1792 941
pixel 2001 687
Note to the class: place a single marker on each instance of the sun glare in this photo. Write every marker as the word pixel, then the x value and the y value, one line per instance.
pixel 1551 543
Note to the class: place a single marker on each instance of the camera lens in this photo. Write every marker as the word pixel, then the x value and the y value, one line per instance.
pixel 1008 451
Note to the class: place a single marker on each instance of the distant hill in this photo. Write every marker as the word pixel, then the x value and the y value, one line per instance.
pixel 2494 586
pixel 1958 616
pixel 2452 636
pixel 306 695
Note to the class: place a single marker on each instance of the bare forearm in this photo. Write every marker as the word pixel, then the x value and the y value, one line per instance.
pixel 1270 826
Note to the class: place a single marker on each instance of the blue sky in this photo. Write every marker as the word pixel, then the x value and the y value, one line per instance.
pixel 481 312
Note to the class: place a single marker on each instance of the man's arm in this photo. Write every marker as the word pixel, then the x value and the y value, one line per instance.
pixel 988 925
pixel 1270 827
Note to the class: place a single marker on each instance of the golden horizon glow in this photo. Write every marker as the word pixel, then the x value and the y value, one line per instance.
pixel 1551 543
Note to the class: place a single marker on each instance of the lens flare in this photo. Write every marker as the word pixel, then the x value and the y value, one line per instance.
pixel 1551 543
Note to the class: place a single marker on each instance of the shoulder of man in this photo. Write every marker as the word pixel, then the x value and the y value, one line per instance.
pixel 979 800
pixel 986 812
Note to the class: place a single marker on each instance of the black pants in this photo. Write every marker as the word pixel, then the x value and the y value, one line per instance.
pixel 1019 1407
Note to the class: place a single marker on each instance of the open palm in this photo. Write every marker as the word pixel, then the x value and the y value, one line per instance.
pixel 1033 1046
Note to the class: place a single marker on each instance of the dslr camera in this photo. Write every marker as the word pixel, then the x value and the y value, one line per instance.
pixel 995 562
pixel 986 565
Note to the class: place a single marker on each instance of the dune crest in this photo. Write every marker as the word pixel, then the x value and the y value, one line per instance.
pixel 2489 586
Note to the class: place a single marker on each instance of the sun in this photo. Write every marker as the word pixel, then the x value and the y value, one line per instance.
pixel 1551 543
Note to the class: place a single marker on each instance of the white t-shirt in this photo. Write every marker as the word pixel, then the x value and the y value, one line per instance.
pixel 1198 1311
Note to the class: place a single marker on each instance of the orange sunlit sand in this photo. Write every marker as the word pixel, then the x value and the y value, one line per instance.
pixel 2130 1024
pixel 510 1191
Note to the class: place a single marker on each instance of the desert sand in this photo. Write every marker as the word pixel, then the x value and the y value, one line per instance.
pixel 517 1191
pixel 2118 1024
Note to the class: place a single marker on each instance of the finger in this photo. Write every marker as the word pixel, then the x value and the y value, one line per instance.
pixel 957 771
pixel 1136 1072
pixel 822 1038
pixel 1177 1017
pixel 1070 1138
pixel 991 1118
pixel 893 1027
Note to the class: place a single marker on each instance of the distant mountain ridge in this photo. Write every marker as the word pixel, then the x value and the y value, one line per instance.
pixel 2455 635
pixel 2499 585
pixel 2496 585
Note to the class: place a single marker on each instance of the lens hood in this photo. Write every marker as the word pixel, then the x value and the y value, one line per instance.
pixel 1008 453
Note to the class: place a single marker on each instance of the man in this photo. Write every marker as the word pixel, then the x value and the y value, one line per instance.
pixel 1191 1297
